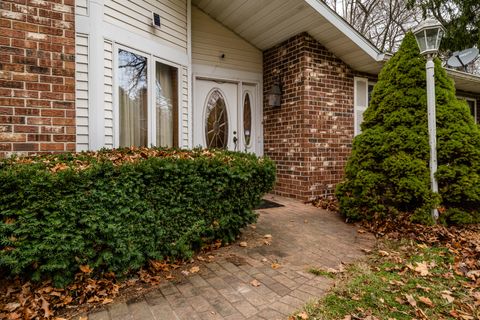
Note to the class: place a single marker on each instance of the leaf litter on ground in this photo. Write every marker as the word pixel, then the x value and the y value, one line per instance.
pixel 416 272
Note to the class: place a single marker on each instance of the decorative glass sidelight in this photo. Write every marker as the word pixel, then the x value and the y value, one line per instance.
pixel 247 119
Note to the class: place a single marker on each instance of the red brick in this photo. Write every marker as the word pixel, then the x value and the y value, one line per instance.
pixel 12 119
pixel 39 121
pixel 39 137
pixel 52 129
pixel 63 121
pixel 5 147
pixel 6 111
pixel 71 147
pixel 25 147
pixel 25 26
pixel 25 77
pixel 25 94
pixel 51 95
pixel 4 41
pixel 26 129
pixel 52 147
pixel 27 111
pixel 5 128
pixel 13 67
pixel 12 102
pixel 52 113
pixel 64 138
pixel 39 103
pixel 63 105
pixel 38 86
pixel 12 137
pixel 11 84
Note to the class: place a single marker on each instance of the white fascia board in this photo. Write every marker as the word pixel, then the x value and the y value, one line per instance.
pixel 346 29
pixel 464 75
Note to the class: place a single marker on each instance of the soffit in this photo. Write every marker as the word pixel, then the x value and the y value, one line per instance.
pixel 266 23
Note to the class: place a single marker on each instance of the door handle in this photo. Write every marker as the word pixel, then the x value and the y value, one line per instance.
pixel 235 140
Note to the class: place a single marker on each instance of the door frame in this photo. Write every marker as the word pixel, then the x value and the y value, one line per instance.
pixel 243 78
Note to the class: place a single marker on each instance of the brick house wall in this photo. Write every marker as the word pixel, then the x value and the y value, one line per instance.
pixel 37 76
pixel 310 135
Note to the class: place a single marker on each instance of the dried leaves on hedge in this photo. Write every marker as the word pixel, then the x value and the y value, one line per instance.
pixel 83 160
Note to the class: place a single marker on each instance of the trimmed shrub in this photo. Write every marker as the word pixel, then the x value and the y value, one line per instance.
pixel 114 210
pixel 388 171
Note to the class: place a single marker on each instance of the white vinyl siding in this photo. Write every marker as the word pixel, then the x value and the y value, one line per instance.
pixel 184 118
pixel 108 93
pixel 210 40
pixel 81 7
pixel 136 16
pixel 81 90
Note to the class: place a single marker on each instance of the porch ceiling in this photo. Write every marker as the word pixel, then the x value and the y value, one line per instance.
pixel 265 23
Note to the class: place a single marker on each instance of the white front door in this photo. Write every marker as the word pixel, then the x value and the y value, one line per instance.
pixel 225 115
pixel 215 115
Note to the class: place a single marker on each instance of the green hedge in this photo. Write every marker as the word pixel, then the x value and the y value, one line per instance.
pixel 114 210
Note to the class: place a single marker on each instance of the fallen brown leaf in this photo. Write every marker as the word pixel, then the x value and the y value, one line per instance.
pixel 194 269
pixel 255 283
pixel 426 301
pixel 411 300
pixel 303 315
pixel 422 269
pixel 85 269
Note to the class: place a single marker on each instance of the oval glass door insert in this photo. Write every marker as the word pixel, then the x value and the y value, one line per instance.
pixel 216 121
pixel 247 119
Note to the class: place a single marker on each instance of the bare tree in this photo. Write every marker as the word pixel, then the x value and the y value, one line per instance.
pixel 383 22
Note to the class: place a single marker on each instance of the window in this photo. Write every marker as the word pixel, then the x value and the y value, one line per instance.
pixel 472 104
pixel 247 119
pixel 133 99
pixel 362 95
pixel 216 121
pixel 147 105
pixel 166 105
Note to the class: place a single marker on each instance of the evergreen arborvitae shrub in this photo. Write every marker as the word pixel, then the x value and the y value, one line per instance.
pixel 115 210
pixel 388 170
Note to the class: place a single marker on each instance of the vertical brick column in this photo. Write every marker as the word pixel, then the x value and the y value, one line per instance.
pixel 37 76
pixel 310 135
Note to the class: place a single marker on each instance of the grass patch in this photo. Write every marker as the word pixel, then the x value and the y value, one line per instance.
pixel 321 273
pixel 400 280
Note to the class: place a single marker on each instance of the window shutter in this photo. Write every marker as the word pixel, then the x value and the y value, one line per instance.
pixel 360 102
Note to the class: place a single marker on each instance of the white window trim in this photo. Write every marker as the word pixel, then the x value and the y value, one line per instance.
pixel 356 107
pixel 152 124
pixel 474 105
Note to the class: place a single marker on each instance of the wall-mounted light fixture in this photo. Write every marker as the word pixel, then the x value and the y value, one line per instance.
pixel 156 20
pixel 275 93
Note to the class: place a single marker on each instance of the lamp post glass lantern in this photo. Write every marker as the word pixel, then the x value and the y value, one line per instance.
pixel 429 34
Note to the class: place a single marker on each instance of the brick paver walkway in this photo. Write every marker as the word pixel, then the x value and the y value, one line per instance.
pixel 302 237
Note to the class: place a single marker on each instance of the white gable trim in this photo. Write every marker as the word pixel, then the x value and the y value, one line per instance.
pixel 346 29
